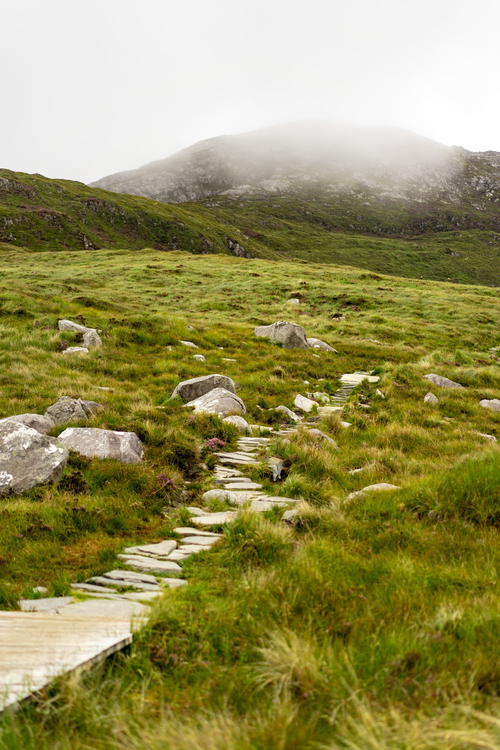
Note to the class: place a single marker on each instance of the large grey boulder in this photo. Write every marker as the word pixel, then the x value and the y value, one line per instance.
pixel 290 335
pixel 441 381
pixel 68 409
pixel 96 443
pixel 318 344
pixel 91 339
pixel 493 404
pixel 37 422
pixel 27 458
pixel 69 325
pixel 191 389
pixel 218 401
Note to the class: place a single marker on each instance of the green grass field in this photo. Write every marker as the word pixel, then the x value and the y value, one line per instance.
pixel 368 625
pixel 447 243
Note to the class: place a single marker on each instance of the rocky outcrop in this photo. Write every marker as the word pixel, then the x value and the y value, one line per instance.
pixel 289 335
pixel 27 458
pixel 192 389
pixel 218 401
pixel 96 443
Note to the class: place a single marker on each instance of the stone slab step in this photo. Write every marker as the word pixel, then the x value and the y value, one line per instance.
pixel 148 564
pixel 191 530
pixel 160 549
pixel 216 519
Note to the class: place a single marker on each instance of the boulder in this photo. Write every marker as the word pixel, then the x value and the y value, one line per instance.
pixel 303 403
pixel 191 389
pixel 379 487
pixel 69 325
pixel 96 443
pixel 68 409
pixel 76 350
pixel 430 398
pixel 238 422
pixel 218 401
pixel 38 422
pixel 318 344
pixel 91 339
pixel 441 381
pixel 27 458
pixel 288 414
pixel 290 335
pixel 493 404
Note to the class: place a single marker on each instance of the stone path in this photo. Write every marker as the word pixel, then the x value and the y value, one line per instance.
pixel 55 635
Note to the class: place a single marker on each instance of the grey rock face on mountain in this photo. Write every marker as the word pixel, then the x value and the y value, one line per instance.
pixel 290 335
pixel 95 443
pixel 376 162
pixel 27 458
pixel 188 390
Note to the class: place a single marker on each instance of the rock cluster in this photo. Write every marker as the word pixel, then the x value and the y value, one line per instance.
pixel 90 336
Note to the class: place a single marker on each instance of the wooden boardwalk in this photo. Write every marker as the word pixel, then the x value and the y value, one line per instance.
pixel 36 647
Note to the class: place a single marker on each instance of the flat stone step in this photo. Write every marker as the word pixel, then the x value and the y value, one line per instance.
pixel 147 563
pixel 199 539
pixel 118 583
pixel 216 519
pixel 47 604
pixel 120 609
pixel 91 588
pixel 36 648
pixel 159 549
pixel 237 486
pixel 191 530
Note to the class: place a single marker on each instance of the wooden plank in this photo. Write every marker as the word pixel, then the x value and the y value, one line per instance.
pixel 35 648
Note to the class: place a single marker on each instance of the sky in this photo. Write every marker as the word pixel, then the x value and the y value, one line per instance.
pixel 92 87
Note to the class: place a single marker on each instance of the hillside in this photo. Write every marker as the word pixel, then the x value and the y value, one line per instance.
pixel 40 213
pixel 365 621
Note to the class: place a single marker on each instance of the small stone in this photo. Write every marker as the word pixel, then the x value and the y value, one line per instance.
pixel 76 350
pixel 188 343
pixel 318 344
pixel 199 357
pixel 237 421
pixel 277 467
pixel 304 404
pixel 493 404
pixel 323 437
pixel 441 381
pixel 289 516
pixel 486 436
pixel 194 511
pixel 430 398
pixel 91 339
pixel 379 487
pixel 288 414
pixel 379 393
pixel 40 590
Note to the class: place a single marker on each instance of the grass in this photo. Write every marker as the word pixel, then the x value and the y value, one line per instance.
pixel 367 624
pixel 458 243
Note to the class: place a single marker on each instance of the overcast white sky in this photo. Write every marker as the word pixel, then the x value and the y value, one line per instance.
pixel 90 87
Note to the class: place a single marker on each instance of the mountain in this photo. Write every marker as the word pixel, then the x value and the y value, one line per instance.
pixel 366 165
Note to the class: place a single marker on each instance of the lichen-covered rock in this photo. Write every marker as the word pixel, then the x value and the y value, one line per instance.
pixel 91 339
pixel 493 404
pixel 38 422
pixel 318 344
pixel 191 389
pixel 68 409
pixel 441 381
pixel 218 401
pixel 28 458
pixel 289 335
pixel 96 443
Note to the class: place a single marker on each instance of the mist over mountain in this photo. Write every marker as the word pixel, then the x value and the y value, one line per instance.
pixel 380 163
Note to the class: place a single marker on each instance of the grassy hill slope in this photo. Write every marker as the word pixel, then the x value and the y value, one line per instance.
pixel 45 214
pixel 368 624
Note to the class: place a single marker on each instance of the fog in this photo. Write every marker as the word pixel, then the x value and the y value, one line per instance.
pixel 95 87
